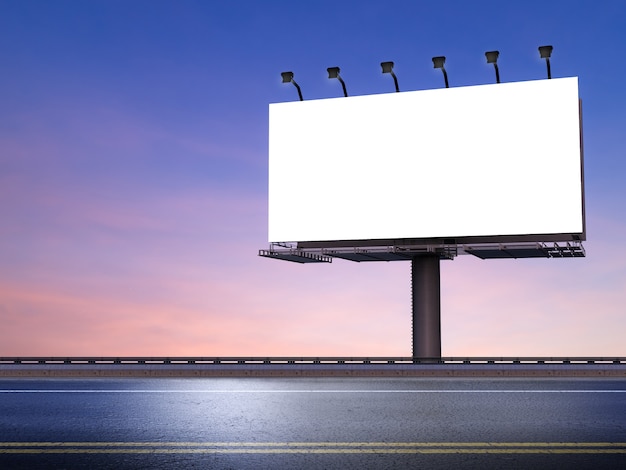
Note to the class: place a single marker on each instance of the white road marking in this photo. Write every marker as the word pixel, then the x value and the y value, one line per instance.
pixel 305 391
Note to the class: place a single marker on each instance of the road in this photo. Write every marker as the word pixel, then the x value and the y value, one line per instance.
pixel 277 423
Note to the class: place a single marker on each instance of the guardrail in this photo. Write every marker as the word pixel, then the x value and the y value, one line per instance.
pixel 146 367
pixel 113 360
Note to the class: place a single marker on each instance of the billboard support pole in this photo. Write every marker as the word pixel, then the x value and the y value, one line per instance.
pixel 426 306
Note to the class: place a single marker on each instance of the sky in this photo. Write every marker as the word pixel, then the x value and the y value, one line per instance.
pixel 134 162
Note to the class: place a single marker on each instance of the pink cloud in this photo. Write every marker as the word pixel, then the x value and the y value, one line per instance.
pixel 194 290
pixel 554 307
pixel 232 317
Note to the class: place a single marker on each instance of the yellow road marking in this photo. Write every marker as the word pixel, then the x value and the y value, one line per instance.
pixel 314 444
pixel 313 451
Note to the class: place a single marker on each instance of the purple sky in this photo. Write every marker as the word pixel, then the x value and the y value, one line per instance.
pixel 133 178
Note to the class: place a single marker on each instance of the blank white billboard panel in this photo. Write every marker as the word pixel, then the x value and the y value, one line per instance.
pixel 488 160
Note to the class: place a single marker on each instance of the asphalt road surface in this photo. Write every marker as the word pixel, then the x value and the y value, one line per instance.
pixel 301 423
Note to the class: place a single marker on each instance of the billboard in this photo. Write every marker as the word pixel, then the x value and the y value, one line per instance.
pixel 500 160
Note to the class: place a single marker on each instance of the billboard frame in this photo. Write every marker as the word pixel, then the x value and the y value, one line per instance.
pixel 451 238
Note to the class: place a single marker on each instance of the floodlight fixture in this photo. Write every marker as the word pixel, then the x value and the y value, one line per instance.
pixel 388 68
pixel 288 78
pixel 333 72
pixel 492 58
pixel 438 64
pixel 545 52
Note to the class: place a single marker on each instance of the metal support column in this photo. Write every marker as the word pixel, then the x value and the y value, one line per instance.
pixel 426 306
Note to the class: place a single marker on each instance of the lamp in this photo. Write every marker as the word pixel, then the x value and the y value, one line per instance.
pixel 438 64
pixel 333 72
pixel 288 78
pixel 545 52
pixel 492 58
pixel 388 68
